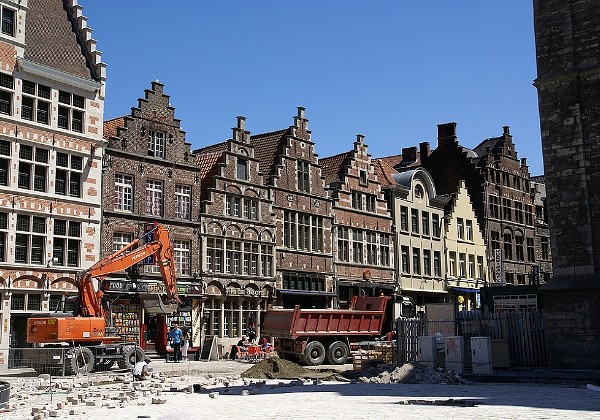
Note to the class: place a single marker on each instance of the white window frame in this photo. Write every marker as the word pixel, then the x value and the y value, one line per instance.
pixel 154 197
pixel 156 143
pixel 183 201
pixel 123 192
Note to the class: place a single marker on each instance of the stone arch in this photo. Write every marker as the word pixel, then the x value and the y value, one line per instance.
pixel 21 282
pixel 233 231
pixel 252 192
pixel 251 233
pixel 266 236
pixel 215 228
pixel 234 189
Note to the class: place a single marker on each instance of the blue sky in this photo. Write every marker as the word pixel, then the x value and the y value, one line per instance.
pixel 390 70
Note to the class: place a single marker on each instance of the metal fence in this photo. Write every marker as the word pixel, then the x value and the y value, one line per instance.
pixel 522 330
pixel 33 361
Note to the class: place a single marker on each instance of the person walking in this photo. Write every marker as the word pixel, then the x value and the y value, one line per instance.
pixel 176 336
pixel 185 345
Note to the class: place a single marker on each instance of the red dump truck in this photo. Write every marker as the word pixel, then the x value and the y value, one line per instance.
pixel 315 335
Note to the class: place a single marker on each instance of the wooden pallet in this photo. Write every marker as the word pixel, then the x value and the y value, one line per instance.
pixel 360 357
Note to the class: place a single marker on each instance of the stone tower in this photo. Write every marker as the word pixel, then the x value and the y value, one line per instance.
pixel 568 82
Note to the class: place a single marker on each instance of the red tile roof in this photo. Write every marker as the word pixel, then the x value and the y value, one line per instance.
pixel 50 39
pixel 392 161
pixel 111 126
pixel 267 147
pixel 384 172
pixel 333 168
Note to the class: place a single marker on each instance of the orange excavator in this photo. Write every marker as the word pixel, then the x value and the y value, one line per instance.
pixel 90 344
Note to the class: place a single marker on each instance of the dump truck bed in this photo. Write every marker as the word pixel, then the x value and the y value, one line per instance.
pixel 364 318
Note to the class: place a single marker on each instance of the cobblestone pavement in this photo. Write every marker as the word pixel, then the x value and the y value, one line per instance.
pixel 308 399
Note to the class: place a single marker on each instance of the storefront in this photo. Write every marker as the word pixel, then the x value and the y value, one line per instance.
pixel 138 315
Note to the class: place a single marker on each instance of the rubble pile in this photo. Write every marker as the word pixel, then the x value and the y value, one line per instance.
pixel 276 368
pixel 409 373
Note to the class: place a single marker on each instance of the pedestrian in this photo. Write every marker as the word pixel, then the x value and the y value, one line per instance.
pixel 185 345
pixel 140 370
pixel 176 336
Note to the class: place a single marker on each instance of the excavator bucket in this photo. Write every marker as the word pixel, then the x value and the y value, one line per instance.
pixel 155 305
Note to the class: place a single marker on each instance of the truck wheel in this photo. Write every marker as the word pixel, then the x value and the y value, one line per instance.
pixel 80 360
pixel 131 355
pixel 314 353
pixel 337 353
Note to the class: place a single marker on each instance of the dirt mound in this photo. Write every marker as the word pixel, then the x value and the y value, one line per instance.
pixel 276 368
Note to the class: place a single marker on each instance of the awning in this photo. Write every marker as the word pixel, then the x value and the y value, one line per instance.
pixel 463 289
pixel 305 292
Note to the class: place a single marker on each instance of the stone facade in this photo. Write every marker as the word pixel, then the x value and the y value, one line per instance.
pixel 238 235
pixel 465 251
pixel 51 112
pixel 568 82
pixel 363 240
pixel 302 213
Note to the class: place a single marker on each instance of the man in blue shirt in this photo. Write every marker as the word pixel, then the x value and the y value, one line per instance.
pixel 176 337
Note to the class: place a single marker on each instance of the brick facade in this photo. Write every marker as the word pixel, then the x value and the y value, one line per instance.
pixel 363 240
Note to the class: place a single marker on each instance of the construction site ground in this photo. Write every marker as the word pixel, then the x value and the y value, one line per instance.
pixel 281 389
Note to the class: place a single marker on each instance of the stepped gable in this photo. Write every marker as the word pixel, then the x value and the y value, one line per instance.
pixel 384 171
pixel 267 147
pixel 57 36
pixel 333 168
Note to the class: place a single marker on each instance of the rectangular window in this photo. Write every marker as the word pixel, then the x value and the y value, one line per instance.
pixel 414 217
pixel 7 85
pixel 156 143
pixel 242 169
pixel 495 240
pixel 289 229
pixel 66 243
pixel 508 246
pixel 5 150
pixel 233 205
pixel 437 227
pixel 70 114
pixel 370 201
pixel 528 215
pixel 30 239
pixel 371 247
pixel 120 240
pixel 357 245
pixel 266 259
pixel 416 261
pixel 506 209
pixel 437 266
pixel 214 255
pixel 471 266
pixel 3 235
pixel 303 169
pixel 469 230
pixel 404 218
pixel 250 208
pixel 69 171
pixel 519 212
pixel 460 228
pixel 8 21
pixel 427 262
pixel 181 255
pixel 545 248
pixel 452 263
pixel 183 201
pixel 363 180
pixel 519 248
pixel 154 196
pixel 425 222
pixel 357 200
pixel 317 233
pixel 494 207
pixel 405 260
pixel 303 231
pixel 33 168
pixel 480 270
pixel 343 244
pixel 384 249
pixel 462 265
pixel 32 107
pixel 123 192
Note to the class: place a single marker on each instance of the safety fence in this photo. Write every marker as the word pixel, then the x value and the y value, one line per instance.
pixel 521 331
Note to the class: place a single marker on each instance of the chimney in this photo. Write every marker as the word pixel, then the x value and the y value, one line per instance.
pixel 447 134
pixel 523 162
pixel 424 150
pixel 409 154
pixel 506 130
pixel 241 122
pixel 239 133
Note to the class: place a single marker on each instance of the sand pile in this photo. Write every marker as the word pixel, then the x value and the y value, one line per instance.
pixel 276 368
pixel 409 373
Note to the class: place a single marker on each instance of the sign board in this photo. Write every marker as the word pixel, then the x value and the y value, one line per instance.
pixel 498 266
pixel 535 275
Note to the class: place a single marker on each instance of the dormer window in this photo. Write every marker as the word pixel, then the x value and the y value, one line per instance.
pixel 242 169
pixel 363 178
pixel 8 21
pixel 418 192
pixel 156 143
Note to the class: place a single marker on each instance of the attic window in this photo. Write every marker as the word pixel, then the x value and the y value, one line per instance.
pixel 363 178
pixel 418 192
pixel 156 143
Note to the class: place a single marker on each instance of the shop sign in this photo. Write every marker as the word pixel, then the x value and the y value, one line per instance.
pixel 128 287
pixel 248 291
pixel 234 291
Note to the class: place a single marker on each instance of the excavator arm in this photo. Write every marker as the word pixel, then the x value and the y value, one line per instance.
pixel 161 247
